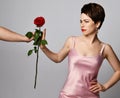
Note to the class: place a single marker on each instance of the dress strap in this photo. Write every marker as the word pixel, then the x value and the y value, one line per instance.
pixel 73 41
pixel 102 49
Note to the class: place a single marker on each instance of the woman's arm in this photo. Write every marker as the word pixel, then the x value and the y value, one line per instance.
pixel 56 57
pixel 115 64
pixel 8 35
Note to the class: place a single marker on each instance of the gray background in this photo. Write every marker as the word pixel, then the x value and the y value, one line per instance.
pixel 62 20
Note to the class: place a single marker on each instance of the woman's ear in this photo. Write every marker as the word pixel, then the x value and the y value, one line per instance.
pixel 98 24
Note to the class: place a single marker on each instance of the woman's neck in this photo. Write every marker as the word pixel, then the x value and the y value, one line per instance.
pixel 91 38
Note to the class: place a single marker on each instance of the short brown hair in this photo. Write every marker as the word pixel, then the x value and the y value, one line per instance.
pixel 95 12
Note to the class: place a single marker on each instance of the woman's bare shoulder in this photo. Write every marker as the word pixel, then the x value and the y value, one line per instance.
pixel 71 38
pixel 108 49
pixel 107 46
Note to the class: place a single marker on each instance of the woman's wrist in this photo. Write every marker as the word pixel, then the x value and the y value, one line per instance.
pixel 42 47
pixel 26 39
pixel 103 88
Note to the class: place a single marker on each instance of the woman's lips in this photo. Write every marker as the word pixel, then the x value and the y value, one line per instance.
pixel 83 30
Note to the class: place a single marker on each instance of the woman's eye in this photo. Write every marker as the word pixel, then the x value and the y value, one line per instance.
pixel 80 21
pixel 86 21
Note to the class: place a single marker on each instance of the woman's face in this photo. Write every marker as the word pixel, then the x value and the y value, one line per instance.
pixel 87 25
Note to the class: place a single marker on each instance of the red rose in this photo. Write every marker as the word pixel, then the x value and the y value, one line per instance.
pixel 39 21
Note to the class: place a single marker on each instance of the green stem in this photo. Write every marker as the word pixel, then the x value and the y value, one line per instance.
pixel 36 73
pixel 36 68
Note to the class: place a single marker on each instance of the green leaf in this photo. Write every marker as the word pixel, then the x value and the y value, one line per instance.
pixel 30 52
pixel 29 34
pixel 44 42
pixel 36 36
pixel 37 31
pixel 35 49
pixel 37 42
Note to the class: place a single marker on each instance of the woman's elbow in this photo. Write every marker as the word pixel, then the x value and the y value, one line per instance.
pixel 58 59
pixel 119 74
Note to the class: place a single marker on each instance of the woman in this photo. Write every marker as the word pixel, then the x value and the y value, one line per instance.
pixel 85 56
pixel 11 36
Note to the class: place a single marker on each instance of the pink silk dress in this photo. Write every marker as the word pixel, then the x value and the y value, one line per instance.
pixel 82 70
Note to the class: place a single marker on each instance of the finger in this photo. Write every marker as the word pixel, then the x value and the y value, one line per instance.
pixel 44 34
pixel 92 88
pixel 95 89
pixel 93 83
